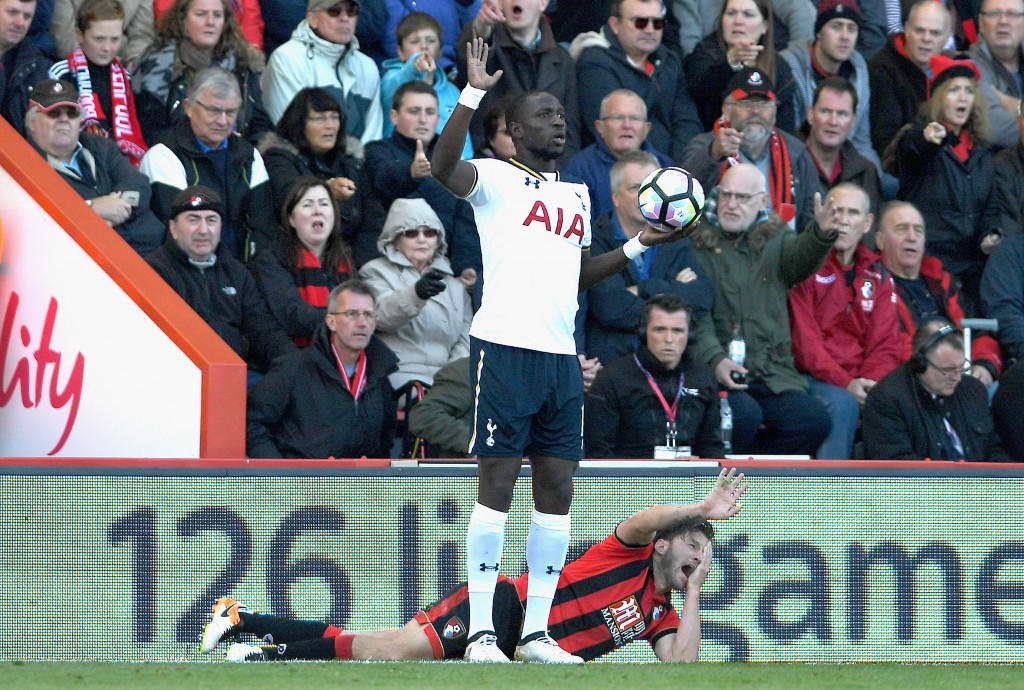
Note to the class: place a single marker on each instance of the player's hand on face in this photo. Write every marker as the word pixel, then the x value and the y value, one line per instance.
pixel 476 65
pixel 723 500
pixel 700 573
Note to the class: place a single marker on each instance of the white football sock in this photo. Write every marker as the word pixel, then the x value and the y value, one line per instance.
pixel 485 538
pixel 545 556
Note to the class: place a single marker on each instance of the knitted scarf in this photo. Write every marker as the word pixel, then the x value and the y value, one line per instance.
pixel 313 284
pixel 124 125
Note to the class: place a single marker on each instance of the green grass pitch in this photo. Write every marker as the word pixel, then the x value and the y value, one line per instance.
pixel 446 676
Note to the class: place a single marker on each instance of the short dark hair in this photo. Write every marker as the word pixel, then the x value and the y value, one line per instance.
pixel 98 11
pixel 292 125
pixel 413 22
pixel 414 86
pixel 668 303
pixel 351 285
pixel 835 84
pixel 686 526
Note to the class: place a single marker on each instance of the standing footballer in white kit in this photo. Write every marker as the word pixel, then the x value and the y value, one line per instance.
pixel 528 386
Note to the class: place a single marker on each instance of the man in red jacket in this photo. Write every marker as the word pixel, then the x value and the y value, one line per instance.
pixel 844 323
pixel 924 289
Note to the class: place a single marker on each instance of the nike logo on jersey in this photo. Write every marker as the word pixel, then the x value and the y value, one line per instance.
pixel 570 228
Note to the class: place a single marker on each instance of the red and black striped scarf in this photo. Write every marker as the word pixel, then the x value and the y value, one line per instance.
pixel 780 167
pixel 313 284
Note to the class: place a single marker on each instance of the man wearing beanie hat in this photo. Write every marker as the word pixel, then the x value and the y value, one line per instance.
pixel 1000 59
pixel 899 72
pixel 832 53
pixel 746 133
pixel 92 164
pixel 324 51
pixel 22 65
pixel 213 282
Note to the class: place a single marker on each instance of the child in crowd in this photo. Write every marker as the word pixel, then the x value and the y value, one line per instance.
pixel 104 87
pixel 419 46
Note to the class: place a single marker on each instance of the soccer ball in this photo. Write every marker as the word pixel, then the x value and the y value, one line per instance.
pixel 670 198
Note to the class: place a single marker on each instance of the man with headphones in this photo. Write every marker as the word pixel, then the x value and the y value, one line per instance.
pixel 928 408
pixel 656 396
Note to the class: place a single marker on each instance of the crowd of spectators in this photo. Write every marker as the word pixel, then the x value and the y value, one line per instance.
pixel 863 159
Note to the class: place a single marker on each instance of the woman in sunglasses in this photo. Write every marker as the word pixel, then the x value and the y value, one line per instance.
pixel 423 311
pixel 743 37
pixel 297 273
pixel 195 34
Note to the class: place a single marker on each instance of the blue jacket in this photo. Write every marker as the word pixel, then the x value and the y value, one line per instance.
pixel 394 73
pixel 613 312
pixel 593 165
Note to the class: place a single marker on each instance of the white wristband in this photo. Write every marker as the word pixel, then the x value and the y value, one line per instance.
pixel 634 248
pixel 471 97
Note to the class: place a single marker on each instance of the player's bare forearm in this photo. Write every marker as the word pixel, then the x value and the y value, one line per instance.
pixel 594 269
pixel 446 163
pixel 722 502
pixel 686 643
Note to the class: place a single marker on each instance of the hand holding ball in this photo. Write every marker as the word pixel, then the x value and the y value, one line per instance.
pixel 670 198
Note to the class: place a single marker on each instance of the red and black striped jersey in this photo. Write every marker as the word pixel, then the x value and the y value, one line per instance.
pixel 605 599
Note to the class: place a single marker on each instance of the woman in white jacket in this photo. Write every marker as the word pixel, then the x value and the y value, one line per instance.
pixel 423 311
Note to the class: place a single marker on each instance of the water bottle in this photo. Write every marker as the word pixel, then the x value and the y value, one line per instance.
pixel 737 353
pixel 726 426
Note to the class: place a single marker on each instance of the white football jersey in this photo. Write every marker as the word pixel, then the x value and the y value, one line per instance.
pixel 533 228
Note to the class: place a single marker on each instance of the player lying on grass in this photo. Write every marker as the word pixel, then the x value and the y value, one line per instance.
pixel 619 590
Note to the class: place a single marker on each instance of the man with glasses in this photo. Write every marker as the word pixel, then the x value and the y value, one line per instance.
pixel 628 54
pixel 753 260
pixel 217 286
pixel 622 127
pixel 203 148
pixel 928 409
pixel 333 398
pixel 998 55
pixel 324 51
pixel 92 164
pixel 746 133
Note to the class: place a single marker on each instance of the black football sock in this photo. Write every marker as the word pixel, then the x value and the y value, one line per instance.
pixel 321 649
pixel 281 630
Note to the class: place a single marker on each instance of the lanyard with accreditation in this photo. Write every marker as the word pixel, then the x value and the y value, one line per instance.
pixel 357 384
pixel 671 432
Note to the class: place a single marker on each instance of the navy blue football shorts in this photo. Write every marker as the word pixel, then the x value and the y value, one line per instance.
pixel 525 402
pixel 445 622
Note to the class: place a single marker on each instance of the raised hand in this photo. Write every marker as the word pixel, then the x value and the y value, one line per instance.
pixel 825 214
pixel 476 65
pixel 420 167
pixel 487 18
pixel 722 501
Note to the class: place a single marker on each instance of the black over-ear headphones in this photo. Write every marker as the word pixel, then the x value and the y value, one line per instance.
pixel 919 360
